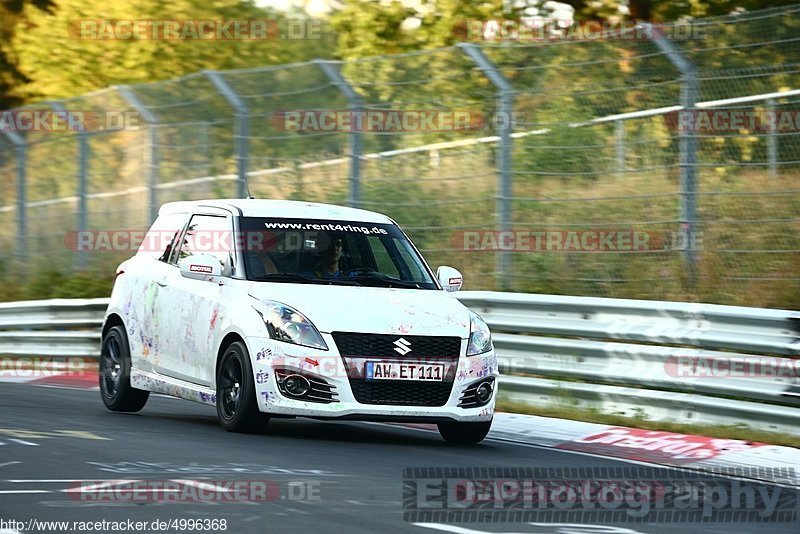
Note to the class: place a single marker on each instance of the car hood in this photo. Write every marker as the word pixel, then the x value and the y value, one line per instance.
pixel 371 309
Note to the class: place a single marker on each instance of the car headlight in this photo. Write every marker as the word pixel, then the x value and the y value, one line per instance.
pixel 286 324
pixel 480 339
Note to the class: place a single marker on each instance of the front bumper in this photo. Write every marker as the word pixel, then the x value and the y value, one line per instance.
pixel 268 355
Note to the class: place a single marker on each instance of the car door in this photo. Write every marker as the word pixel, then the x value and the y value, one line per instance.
pixel 192 306
pixel 143 307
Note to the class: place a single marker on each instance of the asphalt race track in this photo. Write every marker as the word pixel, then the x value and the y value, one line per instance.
pixel 333 477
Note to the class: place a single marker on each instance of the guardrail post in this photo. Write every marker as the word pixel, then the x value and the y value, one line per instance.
pixel 687 144
pixel 242 133
pixel 21 150
pixel 772 143
pixel 152 125
pixel 355 104
pixel 505 125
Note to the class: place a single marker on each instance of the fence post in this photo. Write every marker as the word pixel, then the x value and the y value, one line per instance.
pixel 21 149
pixel 687 144
pixel 355 104
pixel 242 133
pixel 82 189
pixel 152 125
pixel 505 107
pixel 772 143
pixel 619 130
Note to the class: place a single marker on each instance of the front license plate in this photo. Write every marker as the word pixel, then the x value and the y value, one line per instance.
pixel 423 372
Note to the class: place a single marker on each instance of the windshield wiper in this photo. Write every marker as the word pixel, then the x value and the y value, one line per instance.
pixel 298 278
pixel 388 281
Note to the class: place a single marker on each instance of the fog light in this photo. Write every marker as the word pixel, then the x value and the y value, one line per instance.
pixel 296 385
pixel 484 392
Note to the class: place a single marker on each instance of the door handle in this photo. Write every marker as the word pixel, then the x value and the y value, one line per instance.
pixel 161 282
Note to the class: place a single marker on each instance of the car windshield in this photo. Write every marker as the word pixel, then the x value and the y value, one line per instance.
pixel 313 251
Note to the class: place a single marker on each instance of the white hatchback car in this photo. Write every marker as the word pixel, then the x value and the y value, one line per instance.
pixel 269 308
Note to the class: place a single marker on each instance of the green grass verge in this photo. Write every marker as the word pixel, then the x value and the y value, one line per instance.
pixel 49 283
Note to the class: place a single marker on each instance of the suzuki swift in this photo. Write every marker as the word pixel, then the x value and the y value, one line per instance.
pixel 267 308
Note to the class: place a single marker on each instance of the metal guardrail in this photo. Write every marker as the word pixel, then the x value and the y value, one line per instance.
pixel 654 405
pixel 52 328
pixel 682 362
pixel 697 363
pixel 753 330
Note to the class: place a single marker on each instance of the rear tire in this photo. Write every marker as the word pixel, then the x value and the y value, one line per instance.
pixel 464 433
pixel 115 374
pixel 237 407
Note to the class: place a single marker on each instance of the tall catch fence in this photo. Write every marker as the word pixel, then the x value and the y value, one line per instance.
pixel 611 165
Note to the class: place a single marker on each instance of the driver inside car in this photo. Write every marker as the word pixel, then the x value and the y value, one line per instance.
pixel 328 266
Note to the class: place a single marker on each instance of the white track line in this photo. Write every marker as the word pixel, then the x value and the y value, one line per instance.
pixel 54 480
pixel 456 529
pixel 100 484
pixel 574 528
pixel 73 388
pixel 23 442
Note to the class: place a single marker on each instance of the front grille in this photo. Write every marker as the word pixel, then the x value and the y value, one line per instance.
pixel 401 392
pixel 430 349
pixel 383 345
pixel 320 391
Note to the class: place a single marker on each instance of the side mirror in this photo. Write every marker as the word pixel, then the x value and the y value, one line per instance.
pixel 200 266
pixel 450 279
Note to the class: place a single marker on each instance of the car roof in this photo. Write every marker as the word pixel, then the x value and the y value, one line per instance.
pixel 282 209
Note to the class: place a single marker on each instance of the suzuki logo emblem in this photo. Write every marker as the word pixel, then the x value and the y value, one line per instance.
pixel 402 346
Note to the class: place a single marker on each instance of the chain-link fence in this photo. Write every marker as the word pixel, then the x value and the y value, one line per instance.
pixel 634 164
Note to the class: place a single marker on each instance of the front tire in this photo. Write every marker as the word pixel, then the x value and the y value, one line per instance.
pixel 237 407
pixel 464 433
pixel 115 374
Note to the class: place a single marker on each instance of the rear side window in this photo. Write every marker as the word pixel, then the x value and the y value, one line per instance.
pixel 162 236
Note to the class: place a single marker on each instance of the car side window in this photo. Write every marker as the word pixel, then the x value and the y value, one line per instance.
pixel 162 236
pixel 406 257
pixel 382 257
pixel 212 235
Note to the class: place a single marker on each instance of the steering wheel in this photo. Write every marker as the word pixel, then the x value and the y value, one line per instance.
pixel 356 270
